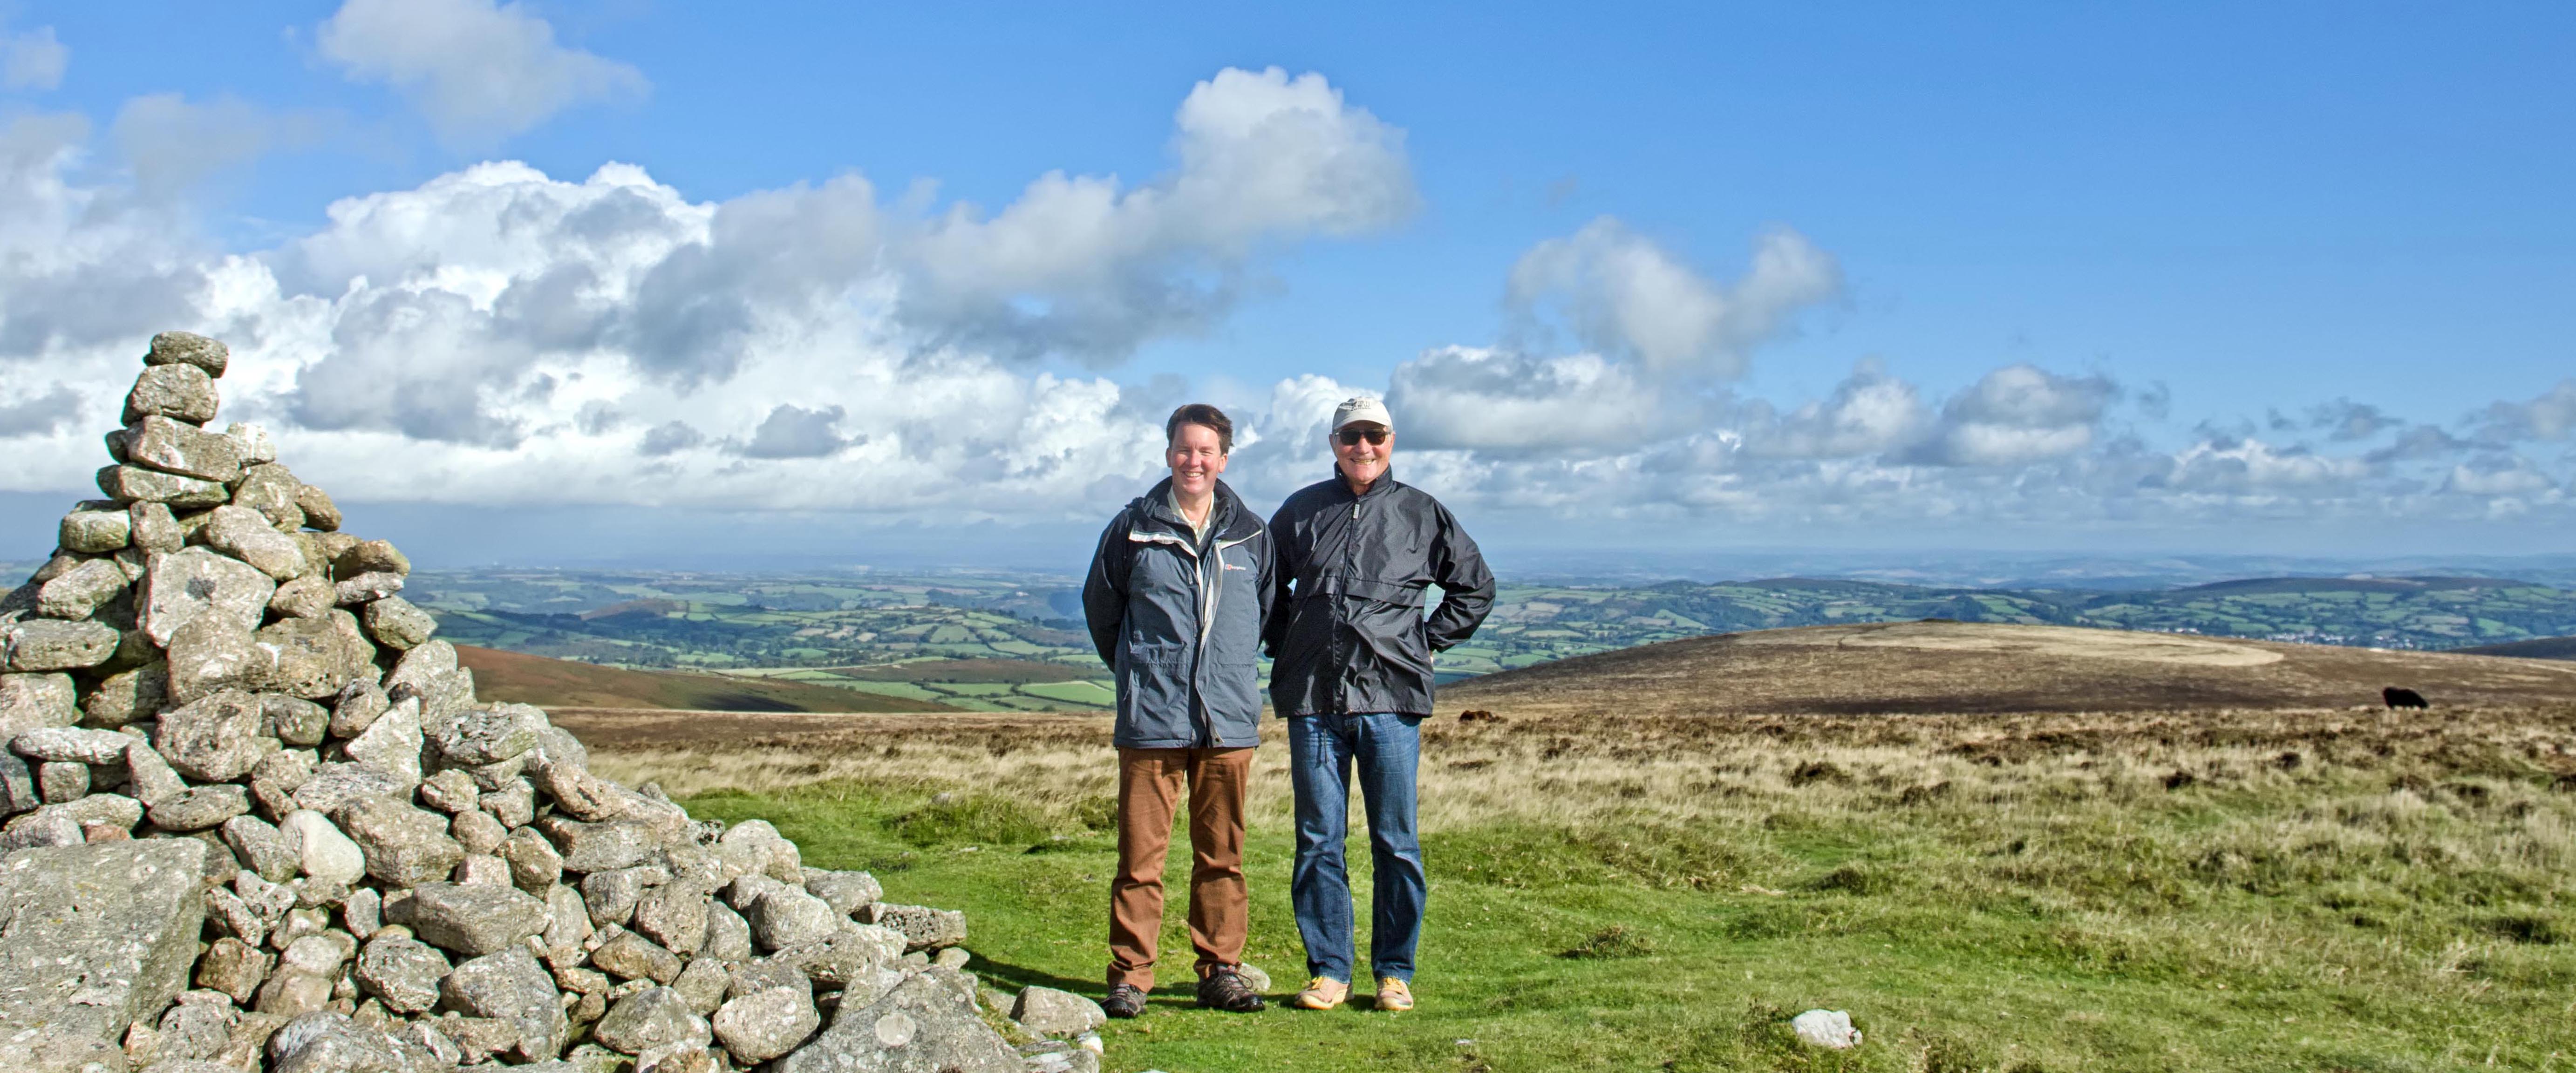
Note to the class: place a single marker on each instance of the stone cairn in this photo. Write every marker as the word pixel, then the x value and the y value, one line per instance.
pixel 257 819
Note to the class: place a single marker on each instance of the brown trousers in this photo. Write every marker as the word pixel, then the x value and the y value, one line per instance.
pixel 1150 782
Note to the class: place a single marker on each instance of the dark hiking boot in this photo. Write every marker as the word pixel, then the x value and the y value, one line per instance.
pixel 1124 1001
pixel 1223 989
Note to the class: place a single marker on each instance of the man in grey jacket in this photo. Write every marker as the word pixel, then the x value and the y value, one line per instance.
pixel 1176 599
pixel 1353 678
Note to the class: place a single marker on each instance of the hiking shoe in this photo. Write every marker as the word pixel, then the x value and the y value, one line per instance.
pixel 1321 993
pixel 1224 989
pixel 1124 1001
pixel 1394 995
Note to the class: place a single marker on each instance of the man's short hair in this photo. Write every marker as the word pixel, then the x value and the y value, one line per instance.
pixel 1200 413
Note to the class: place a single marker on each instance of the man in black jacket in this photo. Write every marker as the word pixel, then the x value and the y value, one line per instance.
pixel 1178 593
pixel 1353 678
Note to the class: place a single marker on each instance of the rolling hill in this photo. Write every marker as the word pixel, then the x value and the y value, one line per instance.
pixel 2541 648
pixel 555 683
pixel 1940 666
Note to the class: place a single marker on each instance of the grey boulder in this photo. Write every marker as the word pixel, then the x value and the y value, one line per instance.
pixel 765 1024
pixel 180 587
pixel 927 1024
pixel 401 972
pixel 189 348
pixel 80 591
pixel 404 846
pixel 212 739
pixel 171 447
pixel 99 936
pixel 55 645
pixel 512 986
pixel 1047 1011
pixel 470 919
pixel 396 624
pixel 328 1042
pixel 654 1018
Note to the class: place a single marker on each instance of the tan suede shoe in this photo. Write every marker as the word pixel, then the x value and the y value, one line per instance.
pixel 1321 993
pixel 1394 996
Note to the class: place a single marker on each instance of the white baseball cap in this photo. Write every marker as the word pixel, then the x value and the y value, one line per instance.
pixel 1362 408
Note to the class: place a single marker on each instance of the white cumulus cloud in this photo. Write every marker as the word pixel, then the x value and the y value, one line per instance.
pixel 35 59
pixel 478 71
pixel 1624 294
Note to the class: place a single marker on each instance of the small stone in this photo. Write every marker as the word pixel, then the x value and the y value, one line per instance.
pixel 923 928
pixel 293 993
pixel 128 696
pixel 18 789
pixel 55 645
pixel 335 786
pixel 728 935
pixel 1046 1011
pixel 79 592
pixel 488 735
pixel 320 954
pixel 201 807
pixel 72 745
pixel 478 833
pixel 183 392
pixel 450 792
pixel 265 850
pixel 480 1036
pixel 651 1018
pixel 190 1031
pixel 612 895
pixel 790 917
pixel 188 348
pixel 847 892
pixel 153 528
pixel 404 846
pixel 213 739
pixel 293 720
pixel 392 742
pixel 470 919
pixel 319 511
pixel 149 775
pixel 33 701
pixel 249 1040
pixel 233 967
pixel 313 658
pixel 181 586
pixel 356 709
pixel 762 1026
pixel 514 803
pixel 46 826
pixel 630 956
pixel 368 557
pixel 130 484
pixel 534 864
pixel 368 588
pixel 322 851
pixel 483 869
pixel 60 783
pixel 270 489
pixel 363 912
pixel 401 972
pixel 309 596
pixel 954 957
pixel 210 656
pixel 567 922
pixel 1829 1029
pixel 246 534
pixel 673 916
pixel 598 847
pixel 327 1042
pixel 255 444
pixel 171 447
pixel 511 985
pixel 702 982
pixel 96 532
pixel 395 623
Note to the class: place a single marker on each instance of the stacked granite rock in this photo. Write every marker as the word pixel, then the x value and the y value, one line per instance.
pixel 257 818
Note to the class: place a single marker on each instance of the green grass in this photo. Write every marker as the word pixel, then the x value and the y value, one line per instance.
pixel 1958 939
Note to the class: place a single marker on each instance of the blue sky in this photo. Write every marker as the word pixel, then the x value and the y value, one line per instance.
pixel 2149 277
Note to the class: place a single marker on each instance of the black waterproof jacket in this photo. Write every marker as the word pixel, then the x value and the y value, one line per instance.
pixel 1348 634
pixel 1179 621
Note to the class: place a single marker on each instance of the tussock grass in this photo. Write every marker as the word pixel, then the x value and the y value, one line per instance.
pixel 2321 889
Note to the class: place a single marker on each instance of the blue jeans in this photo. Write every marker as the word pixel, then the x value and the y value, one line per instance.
pixel 1323 749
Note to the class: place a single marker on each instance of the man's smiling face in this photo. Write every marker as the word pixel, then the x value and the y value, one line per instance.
pixel 1196 455
pixel 1362 449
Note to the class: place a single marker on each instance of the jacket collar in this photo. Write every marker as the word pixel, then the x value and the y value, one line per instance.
pixel 1228 519
pixel 1376 488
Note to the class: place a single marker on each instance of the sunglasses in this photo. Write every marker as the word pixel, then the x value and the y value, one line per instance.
pixel 1351 437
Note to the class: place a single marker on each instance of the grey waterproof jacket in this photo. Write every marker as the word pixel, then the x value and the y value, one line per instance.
pixel 1179 621
pixel 1348 634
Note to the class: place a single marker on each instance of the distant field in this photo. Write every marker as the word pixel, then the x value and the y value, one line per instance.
pixel 553 683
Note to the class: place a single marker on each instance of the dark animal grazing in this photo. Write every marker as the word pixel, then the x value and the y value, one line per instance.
pixel 2403 698
pixel 1479 715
